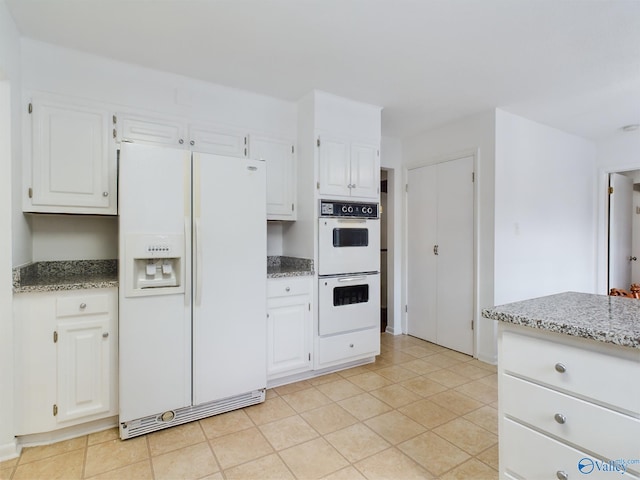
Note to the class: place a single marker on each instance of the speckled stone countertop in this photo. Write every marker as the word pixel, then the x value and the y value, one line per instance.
pixel 597 317
pixel 65 275
pixel 280 266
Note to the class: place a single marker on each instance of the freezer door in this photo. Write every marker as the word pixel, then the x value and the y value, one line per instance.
pixel 229 324
pixel 155 330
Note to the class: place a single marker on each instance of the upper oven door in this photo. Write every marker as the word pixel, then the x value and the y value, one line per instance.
pixel 348 245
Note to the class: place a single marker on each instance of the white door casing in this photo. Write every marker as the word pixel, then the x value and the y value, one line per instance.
pixel 440 258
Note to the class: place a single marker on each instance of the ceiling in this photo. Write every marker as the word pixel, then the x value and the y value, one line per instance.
pixel 571 64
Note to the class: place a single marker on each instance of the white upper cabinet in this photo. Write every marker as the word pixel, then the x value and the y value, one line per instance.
pixel 218 140
pixel 158 131
pixel 348 169
pixel 73 158
pixel 346 142
pixel 280 158
pixel 179 133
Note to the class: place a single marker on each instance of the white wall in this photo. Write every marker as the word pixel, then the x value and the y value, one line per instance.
pixel 545 211
pixel 9 155
pixel 472 134
pixel 128 87
pixel 620 152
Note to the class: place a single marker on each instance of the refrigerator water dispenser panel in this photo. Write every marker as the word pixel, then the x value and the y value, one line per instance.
pixel 154 265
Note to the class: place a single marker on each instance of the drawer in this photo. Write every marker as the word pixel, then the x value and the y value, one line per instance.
pixel 341 348
pixel 607 379
pixel 584 422
pixel 82 305
pixel 525 453
pixel 282 287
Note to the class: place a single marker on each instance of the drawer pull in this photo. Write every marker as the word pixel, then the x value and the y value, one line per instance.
pixel 562 475
pixel 560 368
pixel 288 289
pixel 351 345
pixel 560 418
pixel 83 306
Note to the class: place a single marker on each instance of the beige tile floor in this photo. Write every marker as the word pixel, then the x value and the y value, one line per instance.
pixel 419 411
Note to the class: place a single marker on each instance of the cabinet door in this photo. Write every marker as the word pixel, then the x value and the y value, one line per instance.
pixel 365 171
pixel 73 159
pixel 156 131
pixel 288 335
pixel 84 357
pixel 35 362
pixel 334 158
pixel 280 175
pixel 218 140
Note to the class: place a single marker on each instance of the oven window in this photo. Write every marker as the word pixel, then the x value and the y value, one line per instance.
pixel 350 295
pixel 350 237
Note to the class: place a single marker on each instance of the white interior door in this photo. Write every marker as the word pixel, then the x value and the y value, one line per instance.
pixel 620 211
pixel 422 266
pixel 455 290
pixel 440 254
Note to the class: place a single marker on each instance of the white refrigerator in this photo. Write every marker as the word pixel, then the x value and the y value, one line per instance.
pixel 192 273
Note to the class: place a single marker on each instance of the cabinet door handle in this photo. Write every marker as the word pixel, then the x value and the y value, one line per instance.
pixel 288 289
pixel 105 194
pixel 105 335
pixel 83 306
pixel 560 418
pixel 560 368
pixel 562 475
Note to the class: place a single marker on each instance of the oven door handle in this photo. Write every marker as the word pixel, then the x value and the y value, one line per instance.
pixel 352 220
pixel 351 279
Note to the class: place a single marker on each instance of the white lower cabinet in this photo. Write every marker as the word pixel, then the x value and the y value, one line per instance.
pixel 567 407
pixel 66 358
pixel 289 322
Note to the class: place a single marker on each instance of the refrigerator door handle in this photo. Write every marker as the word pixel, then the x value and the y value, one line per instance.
pixel 198 262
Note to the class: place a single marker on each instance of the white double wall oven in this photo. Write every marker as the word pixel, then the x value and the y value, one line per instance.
pixel 348 266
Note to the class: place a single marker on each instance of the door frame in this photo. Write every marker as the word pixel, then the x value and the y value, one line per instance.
pixel 602 226
pixel 475 153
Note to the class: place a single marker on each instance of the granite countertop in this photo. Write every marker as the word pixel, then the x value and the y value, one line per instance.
pixel 82 274
pixel 602 318
pixel 281 266
pixel 65 275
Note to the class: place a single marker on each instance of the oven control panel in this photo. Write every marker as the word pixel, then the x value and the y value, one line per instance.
pixel 329 208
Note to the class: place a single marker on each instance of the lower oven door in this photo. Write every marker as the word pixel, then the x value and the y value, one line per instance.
pixel 348 302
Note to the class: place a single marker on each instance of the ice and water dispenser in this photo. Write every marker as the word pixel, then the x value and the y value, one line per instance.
pixel 154 264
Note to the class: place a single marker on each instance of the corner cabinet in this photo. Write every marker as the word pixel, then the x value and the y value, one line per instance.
pixel 279 156
pixel 66 358
pixel 72 167
pixel 348 168
pixel 289 326
pixel 569 407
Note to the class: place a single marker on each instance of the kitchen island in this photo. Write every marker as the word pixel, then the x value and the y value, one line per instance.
pixel 569 386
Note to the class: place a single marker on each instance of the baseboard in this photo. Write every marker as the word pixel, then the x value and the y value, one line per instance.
pixel 54 436
pixel 391 331
pixel 9 450
pixel 491 360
